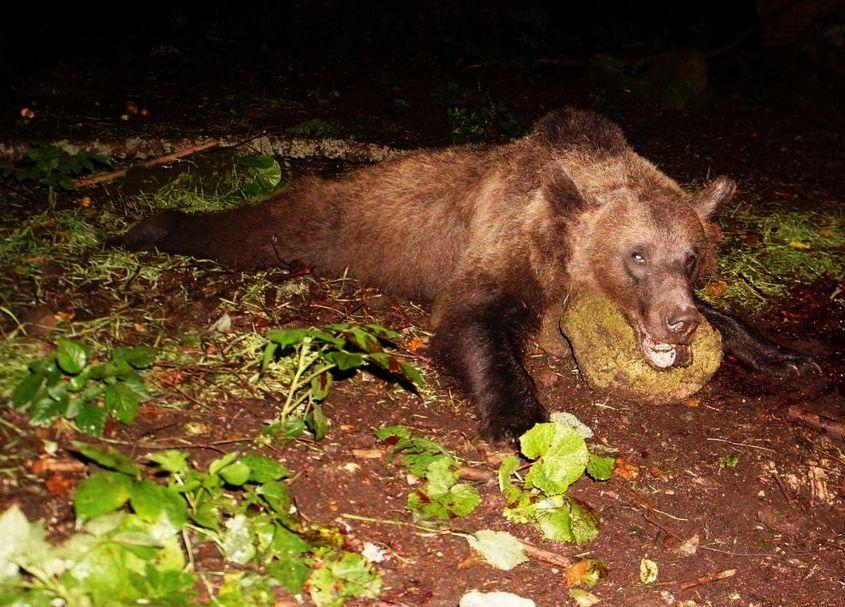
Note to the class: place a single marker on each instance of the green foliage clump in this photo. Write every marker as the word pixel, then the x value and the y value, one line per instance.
pixel 475 117
pixel 66 384
pixel 51 167
pixel 559 457
pixel 765 256
pixel 442 496
pixel 134 538
pixel 313 358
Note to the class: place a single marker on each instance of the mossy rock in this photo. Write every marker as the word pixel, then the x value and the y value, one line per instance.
pixel 610 359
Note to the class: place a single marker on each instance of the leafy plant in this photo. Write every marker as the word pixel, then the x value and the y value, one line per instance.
pixel 475 117
pixel 132 523
pixel 442 496
pixel 66 384
pixel 52 167
pixel 559 457
pixel 320 355
pixel 263 174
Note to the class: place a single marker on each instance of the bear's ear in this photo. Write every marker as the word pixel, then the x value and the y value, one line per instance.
pixel 713 196
pixel 561 191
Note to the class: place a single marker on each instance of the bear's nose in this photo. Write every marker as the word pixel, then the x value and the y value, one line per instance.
pixel 683 322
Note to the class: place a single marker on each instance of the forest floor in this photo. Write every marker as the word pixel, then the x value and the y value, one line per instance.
pixel 723 481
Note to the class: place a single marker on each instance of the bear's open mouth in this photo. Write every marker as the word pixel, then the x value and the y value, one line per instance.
pixel 663 355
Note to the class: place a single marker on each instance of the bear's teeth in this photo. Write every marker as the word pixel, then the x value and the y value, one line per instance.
pixel 662 347
pixel 663 359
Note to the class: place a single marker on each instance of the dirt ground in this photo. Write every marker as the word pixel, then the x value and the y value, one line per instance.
pixel 777 517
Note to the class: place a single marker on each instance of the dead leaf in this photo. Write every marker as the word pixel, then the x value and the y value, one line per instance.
pixel 575 573
pixel 797 244
pixel 415 344
pixel 45 464
pixel 626 470
pixel 716 288
pixel 368 453
pixel 60 486
pixel 688 547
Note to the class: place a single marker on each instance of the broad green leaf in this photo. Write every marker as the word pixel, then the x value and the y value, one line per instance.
pixel 287 337
pixel 499 548
pixel 171 460
pixel 122 402
pixel 563 457
pixel 27 390
pixel 349 576
pixel 389 432
pixel 22 542
pixel 344 360
pixel 47 409
pixel 263 469
pixel 139 357
pixel 71 356
pixel 600 468
pixel 236 473
pixel 585 525
pixel 149 500
pixel 108 457
pixel 91 419
pixel 221 462
pixel 509 489
pixel 276 495
pixel 101 493
pixel 317 422
pixel 555 522
pixel 290 570
pixel 320 386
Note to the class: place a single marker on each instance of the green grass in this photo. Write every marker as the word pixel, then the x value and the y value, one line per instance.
pixel 765 256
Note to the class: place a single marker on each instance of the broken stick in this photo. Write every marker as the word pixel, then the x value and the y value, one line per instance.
pixel 833 428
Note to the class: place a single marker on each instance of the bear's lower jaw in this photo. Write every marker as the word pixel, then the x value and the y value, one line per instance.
pixel 662 355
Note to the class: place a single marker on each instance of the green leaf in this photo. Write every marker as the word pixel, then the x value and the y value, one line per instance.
pixel 276 495
pixel 236 473
pixel 600 468
pixel 91 419
pixel 27 390
pixel 344 360
pixel 287 337
pixel 139 357
pixel 101 493
pixel 269 353
pixel 349 576
pixel 149 500
pixel 498 548
pixel 389 432
pixel 108 457
pixel 71 356
pixel 509 490
pixel 122 402
pixel 584 524
pixel 320 386
pixel 221 462
pixel 45 410
pixel 263 469
pixel 555 521
pixel 563 457
pixel 317 422
pixel 171 460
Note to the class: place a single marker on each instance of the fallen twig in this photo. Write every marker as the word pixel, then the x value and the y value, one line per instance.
pixel 833 428
pixel 706 579
pixel 84 182
pixel 553 558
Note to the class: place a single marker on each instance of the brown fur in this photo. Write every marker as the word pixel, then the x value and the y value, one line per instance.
pixel 502 232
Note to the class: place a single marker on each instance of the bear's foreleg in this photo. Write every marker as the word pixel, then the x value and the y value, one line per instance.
pixel 751 348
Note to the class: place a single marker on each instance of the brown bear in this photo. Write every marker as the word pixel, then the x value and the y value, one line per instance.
pixel 500 234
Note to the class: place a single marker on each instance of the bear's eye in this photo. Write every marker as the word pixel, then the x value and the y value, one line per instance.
pixel 638 257
pixel 691 263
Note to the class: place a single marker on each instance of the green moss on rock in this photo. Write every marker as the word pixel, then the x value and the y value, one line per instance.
pixel 610 359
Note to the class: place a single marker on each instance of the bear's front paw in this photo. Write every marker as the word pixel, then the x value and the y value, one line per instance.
pixel 786 364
